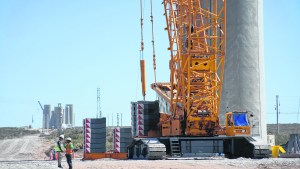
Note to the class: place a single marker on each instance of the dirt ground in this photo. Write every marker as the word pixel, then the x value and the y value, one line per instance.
pixel 26 148
pixel 28 153
pixel 159 164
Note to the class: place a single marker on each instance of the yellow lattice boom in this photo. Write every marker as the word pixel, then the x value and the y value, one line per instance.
pixel 196 30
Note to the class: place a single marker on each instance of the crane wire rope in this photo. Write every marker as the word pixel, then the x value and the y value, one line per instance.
pixel 142 33
pixel 142 61
pixel 142 42
pixel 153 47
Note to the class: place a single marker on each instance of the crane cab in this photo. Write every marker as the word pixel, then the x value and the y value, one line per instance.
pixel 237 124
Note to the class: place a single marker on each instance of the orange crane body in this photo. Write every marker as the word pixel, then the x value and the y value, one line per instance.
pixel 189 104
pixel 197 37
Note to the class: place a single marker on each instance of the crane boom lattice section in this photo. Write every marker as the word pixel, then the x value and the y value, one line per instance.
pixel 196 30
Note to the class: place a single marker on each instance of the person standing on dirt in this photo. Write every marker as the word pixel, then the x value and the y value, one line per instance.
pixel 59 150
pixel 69 150
pixel 51 156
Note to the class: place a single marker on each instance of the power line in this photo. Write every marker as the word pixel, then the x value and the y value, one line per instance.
pixel 283 113
pixel 118 119
pixel 277 111
pixel 98 104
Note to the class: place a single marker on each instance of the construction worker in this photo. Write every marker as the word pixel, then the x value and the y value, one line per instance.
pixel 59 150
pixel 69 150
pixel 52 154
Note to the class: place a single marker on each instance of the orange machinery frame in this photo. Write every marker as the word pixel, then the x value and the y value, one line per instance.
pixel 197 36
pixel 232 129
pixel 94 156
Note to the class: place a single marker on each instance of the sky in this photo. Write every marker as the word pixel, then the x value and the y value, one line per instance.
pixel 62 51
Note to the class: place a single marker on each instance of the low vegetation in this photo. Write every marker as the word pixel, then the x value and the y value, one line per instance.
pixel 284 132
pixel 14 132
pixel 77 137
pixel 76 134
pixel 110 139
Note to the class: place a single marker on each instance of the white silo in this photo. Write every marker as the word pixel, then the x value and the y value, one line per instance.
pixel 46 116
pixel 71 114
pixel 58 116
pixel 67 115
pixel 243 84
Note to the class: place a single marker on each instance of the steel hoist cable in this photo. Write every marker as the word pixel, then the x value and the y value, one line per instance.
pixel 153 47
pixel 142 61
pixel 142 33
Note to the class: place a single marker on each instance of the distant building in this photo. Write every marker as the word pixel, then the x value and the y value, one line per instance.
pixel 55 118
pixel 46 116
pixel 51 122
pixel 58 116
pixel 69 115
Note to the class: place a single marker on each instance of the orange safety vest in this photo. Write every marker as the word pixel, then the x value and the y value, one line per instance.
pixel 69 149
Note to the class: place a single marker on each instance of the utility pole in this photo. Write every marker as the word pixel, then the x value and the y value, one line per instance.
pixel 98 104
pixel 298 117
pixel 118 119
pixel 108 120
pixel 277 111
pixel 32 122
pixel 112 119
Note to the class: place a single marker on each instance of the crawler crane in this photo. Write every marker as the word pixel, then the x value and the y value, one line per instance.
pixel 189 123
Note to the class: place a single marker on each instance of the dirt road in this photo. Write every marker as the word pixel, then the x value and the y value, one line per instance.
pixel 25 148
pixel 28 153
pixel 159 164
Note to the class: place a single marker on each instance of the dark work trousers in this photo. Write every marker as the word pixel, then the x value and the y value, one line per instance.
pixel 69 160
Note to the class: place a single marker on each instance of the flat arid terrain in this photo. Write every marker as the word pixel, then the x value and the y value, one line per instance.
pixel 28 152
pixel 24 148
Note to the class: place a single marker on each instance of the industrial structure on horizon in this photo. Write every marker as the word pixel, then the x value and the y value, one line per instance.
pixel 59 117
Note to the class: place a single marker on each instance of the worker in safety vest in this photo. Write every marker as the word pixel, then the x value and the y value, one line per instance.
pixel 69 150
pixel 59 150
